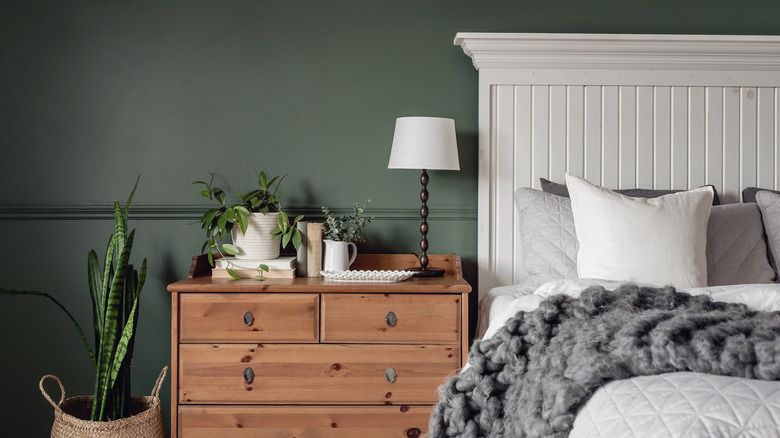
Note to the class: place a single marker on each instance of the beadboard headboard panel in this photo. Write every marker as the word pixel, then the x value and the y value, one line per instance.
pixel 623 111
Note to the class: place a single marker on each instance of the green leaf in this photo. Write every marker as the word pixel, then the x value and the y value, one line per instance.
pixel 285 240
pixel 9 291
pixel 297 238
pixel 130 200
pixel 128 332
pixel 297 219
pixel 200 182
pixel 209 215
pixel 262 267
pixel 242 210
pixel 230 214
pixel 211 258
pixel 121 347
pixel 233 274
pixel 95 276
pixel 219 195
pixel 262 181
pixel 243 224
pixel 230 249
pixel 222 222
pixel 205 193
pixel 259 278
pixel 120 230
pixel 110 331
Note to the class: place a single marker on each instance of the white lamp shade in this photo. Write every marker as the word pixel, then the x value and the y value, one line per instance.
pixel 424 143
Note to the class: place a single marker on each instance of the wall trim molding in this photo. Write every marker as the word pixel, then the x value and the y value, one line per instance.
pixel 193 212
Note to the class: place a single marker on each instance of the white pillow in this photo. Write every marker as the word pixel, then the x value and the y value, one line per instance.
pixel 657 240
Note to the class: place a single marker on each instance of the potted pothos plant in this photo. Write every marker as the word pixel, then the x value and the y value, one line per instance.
pixel 115 289
pixel 260 221
pixel 341 232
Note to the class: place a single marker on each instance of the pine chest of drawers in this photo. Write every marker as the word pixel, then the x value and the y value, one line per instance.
pixel 309 357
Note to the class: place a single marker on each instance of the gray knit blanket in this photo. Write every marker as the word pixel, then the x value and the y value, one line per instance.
pixel 530 378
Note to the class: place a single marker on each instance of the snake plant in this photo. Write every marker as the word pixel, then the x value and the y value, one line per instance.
pixel 114 288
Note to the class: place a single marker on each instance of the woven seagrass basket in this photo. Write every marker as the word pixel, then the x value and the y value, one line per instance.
pixel 146 420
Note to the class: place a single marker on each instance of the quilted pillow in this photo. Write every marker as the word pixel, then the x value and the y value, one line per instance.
pixel 736 248
pixel 769 203
pixel 561 190
pixel 658 241
pixel 547 236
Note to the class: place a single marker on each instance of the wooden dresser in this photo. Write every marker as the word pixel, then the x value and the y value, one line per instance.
pixel 309 357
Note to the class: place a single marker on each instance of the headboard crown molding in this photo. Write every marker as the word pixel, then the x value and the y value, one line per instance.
pixel 620 51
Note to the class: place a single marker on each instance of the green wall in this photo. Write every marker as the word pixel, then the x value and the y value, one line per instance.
pixel 94 93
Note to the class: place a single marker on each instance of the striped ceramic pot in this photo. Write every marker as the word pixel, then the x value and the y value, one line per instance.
pixel 257 242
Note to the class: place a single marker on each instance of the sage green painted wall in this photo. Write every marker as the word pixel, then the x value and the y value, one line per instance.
pixel 94 93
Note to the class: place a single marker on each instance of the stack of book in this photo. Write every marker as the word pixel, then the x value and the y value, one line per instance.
pixel 281 267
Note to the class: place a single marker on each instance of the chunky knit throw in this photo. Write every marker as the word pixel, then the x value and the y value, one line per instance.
pixel 530 378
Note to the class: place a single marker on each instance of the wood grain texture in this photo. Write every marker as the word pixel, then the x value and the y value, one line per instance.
pixel 452 282
pixel 362 318
pixel 304 421
pixel 292 367
pixel 219 317
pixel 295 374
pixel 174 360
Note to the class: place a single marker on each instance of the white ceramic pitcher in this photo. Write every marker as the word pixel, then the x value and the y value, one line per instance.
pixel 337 255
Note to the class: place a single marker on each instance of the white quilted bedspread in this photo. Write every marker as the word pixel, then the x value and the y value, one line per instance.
pixel 681 405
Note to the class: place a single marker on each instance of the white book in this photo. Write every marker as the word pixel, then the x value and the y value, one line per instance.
pixel 280 263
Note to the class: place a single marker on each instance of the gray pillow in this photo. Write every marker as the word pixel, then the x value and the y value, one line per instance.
pixel 561 190
pixel 547 236
pixel 736 248
pixel 749 193
pixel 769 203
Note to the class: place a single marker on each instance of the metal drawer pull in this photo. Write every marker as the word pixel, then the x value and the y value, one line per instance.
pixel 249 374
pixel 248 317
pixel 390 375
pixel 390 319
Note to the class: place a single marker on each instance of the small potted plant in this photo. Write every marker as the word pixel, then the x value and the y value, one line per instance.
pixel 342 232
pixel 259 217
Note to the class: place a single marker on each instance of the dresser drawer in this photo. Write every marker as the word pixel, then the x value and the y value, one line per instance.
pixel 391 318
pixel 319 374
pixel 304 421
pixel 249 317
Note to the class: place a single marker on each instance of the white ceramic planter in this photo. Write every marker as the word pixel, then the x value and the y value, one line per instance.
pixel 257 242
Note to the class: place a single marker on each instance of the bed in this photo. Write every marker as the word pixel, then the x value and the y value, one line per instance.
pixel 647 114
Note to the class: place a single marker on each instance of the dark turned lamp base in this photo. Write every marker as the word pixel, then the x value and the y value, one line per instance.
pixel 429 272
pixel 423 270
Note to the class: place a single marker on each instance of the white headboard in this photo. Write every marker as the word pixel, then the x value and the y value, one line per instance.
pixel 624 111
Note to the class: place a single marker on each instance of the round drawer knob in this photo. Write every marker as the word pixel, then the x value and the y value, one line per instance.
pixel 249 318
pixel 390 375
pixel 249 374
pixel 391 319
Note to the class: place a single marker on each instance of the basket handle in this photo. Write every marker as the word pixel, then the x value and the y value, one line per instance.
pixel 46 395
pixel 158 383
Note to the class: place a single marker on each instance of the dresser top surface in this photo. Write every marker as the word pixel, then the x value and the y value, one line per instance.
pixel 451 282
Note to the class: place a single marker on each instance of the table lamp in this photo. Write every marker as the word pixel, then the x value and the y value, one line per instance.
pixel 424 143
